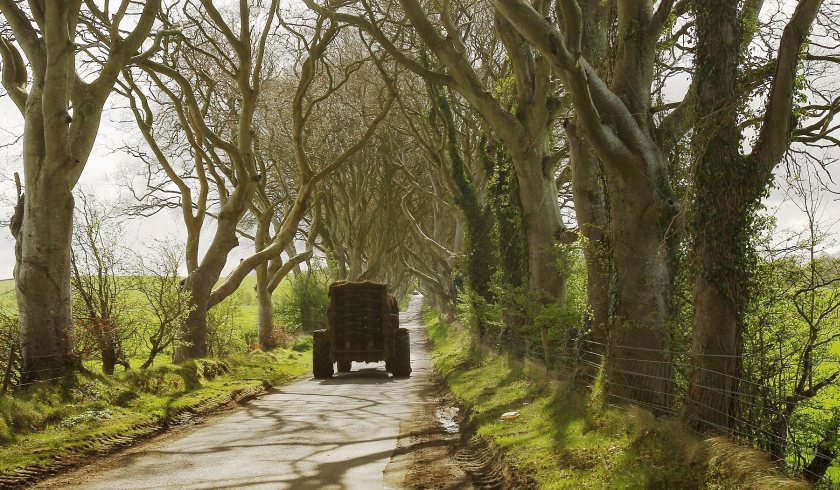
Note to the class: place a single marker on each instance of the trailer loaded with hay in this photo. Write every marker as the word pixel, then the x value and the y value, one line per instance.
pixel 363 320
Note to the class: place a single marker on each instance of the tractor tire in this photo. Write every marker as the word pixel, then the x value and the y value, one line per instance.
pixel 322 366
pixel 400 364
pixel 344 366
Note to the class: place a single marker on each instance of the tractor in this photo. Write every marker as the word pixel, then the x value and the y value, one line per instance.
pixel 363 320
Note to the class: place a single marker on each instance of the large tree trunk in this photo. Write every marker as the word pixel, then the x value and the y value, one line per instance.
pixel 513 247
pixel 639 367
pixel 192 343
pixel 109 354
pixel 42 276
pixel 476 217
pixel 719 223
pixel 544 232
pixel 727 186
pixel 265 309
pixel 200 282
pixel 43 225
pixel 590 196
pixel 712 403
pixel 542 223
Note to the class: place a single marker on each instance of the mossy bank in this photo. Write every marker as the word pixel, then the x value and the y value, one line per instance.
pixel 84 413
pixel 565 438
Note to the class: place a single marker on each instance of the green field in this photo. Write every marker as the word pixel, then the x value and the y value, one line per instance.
pixel 8 285
pixel 7 296
pixel 237 316
pixel 245 296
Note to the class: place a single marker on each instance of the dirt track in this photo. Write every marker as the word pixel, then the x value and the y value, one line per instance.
pixel 311 434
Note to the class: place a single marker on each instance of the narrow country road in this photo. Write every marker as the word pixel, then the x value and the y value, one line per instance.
pixel 311 434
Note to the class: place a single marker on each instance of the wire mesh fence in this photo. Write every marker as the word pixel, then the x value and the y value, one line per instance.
pixel 763 418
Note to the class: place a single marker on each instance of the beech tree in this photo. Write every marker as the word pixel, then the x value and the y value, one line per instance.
pixel 435 232
pixel 717 293
pixel 361 224
pixel 589 190
pixel 41 52
pixel 312 171
pixel 448 135
pixel 205 71
pixel 729 186
pixel 614 117
pixel 208 73
pixel 333 106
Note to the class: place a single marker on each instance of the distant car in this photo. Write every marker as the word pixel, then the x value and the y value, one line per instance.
pixel 415 292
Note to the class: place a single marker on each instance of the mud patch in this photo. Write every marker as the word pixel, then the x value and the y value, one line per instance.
pixel 425 456
pixel 484 461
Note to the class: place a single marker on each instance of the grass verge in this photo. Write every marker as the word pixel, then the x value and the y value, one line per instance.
pixel 564 438
pixel 84 413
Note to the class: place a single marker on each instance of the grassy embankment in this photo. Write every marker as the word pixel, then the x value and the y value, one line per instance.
pixel 565 439
pixel 45 422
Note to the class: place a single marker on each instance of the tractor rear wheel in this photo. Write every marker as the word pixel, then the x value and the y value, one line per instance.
pixel 322 366
pixel 400 363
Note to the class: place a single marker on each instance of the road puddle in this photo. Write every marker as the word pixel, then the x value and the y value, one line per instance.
pixel 445 416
